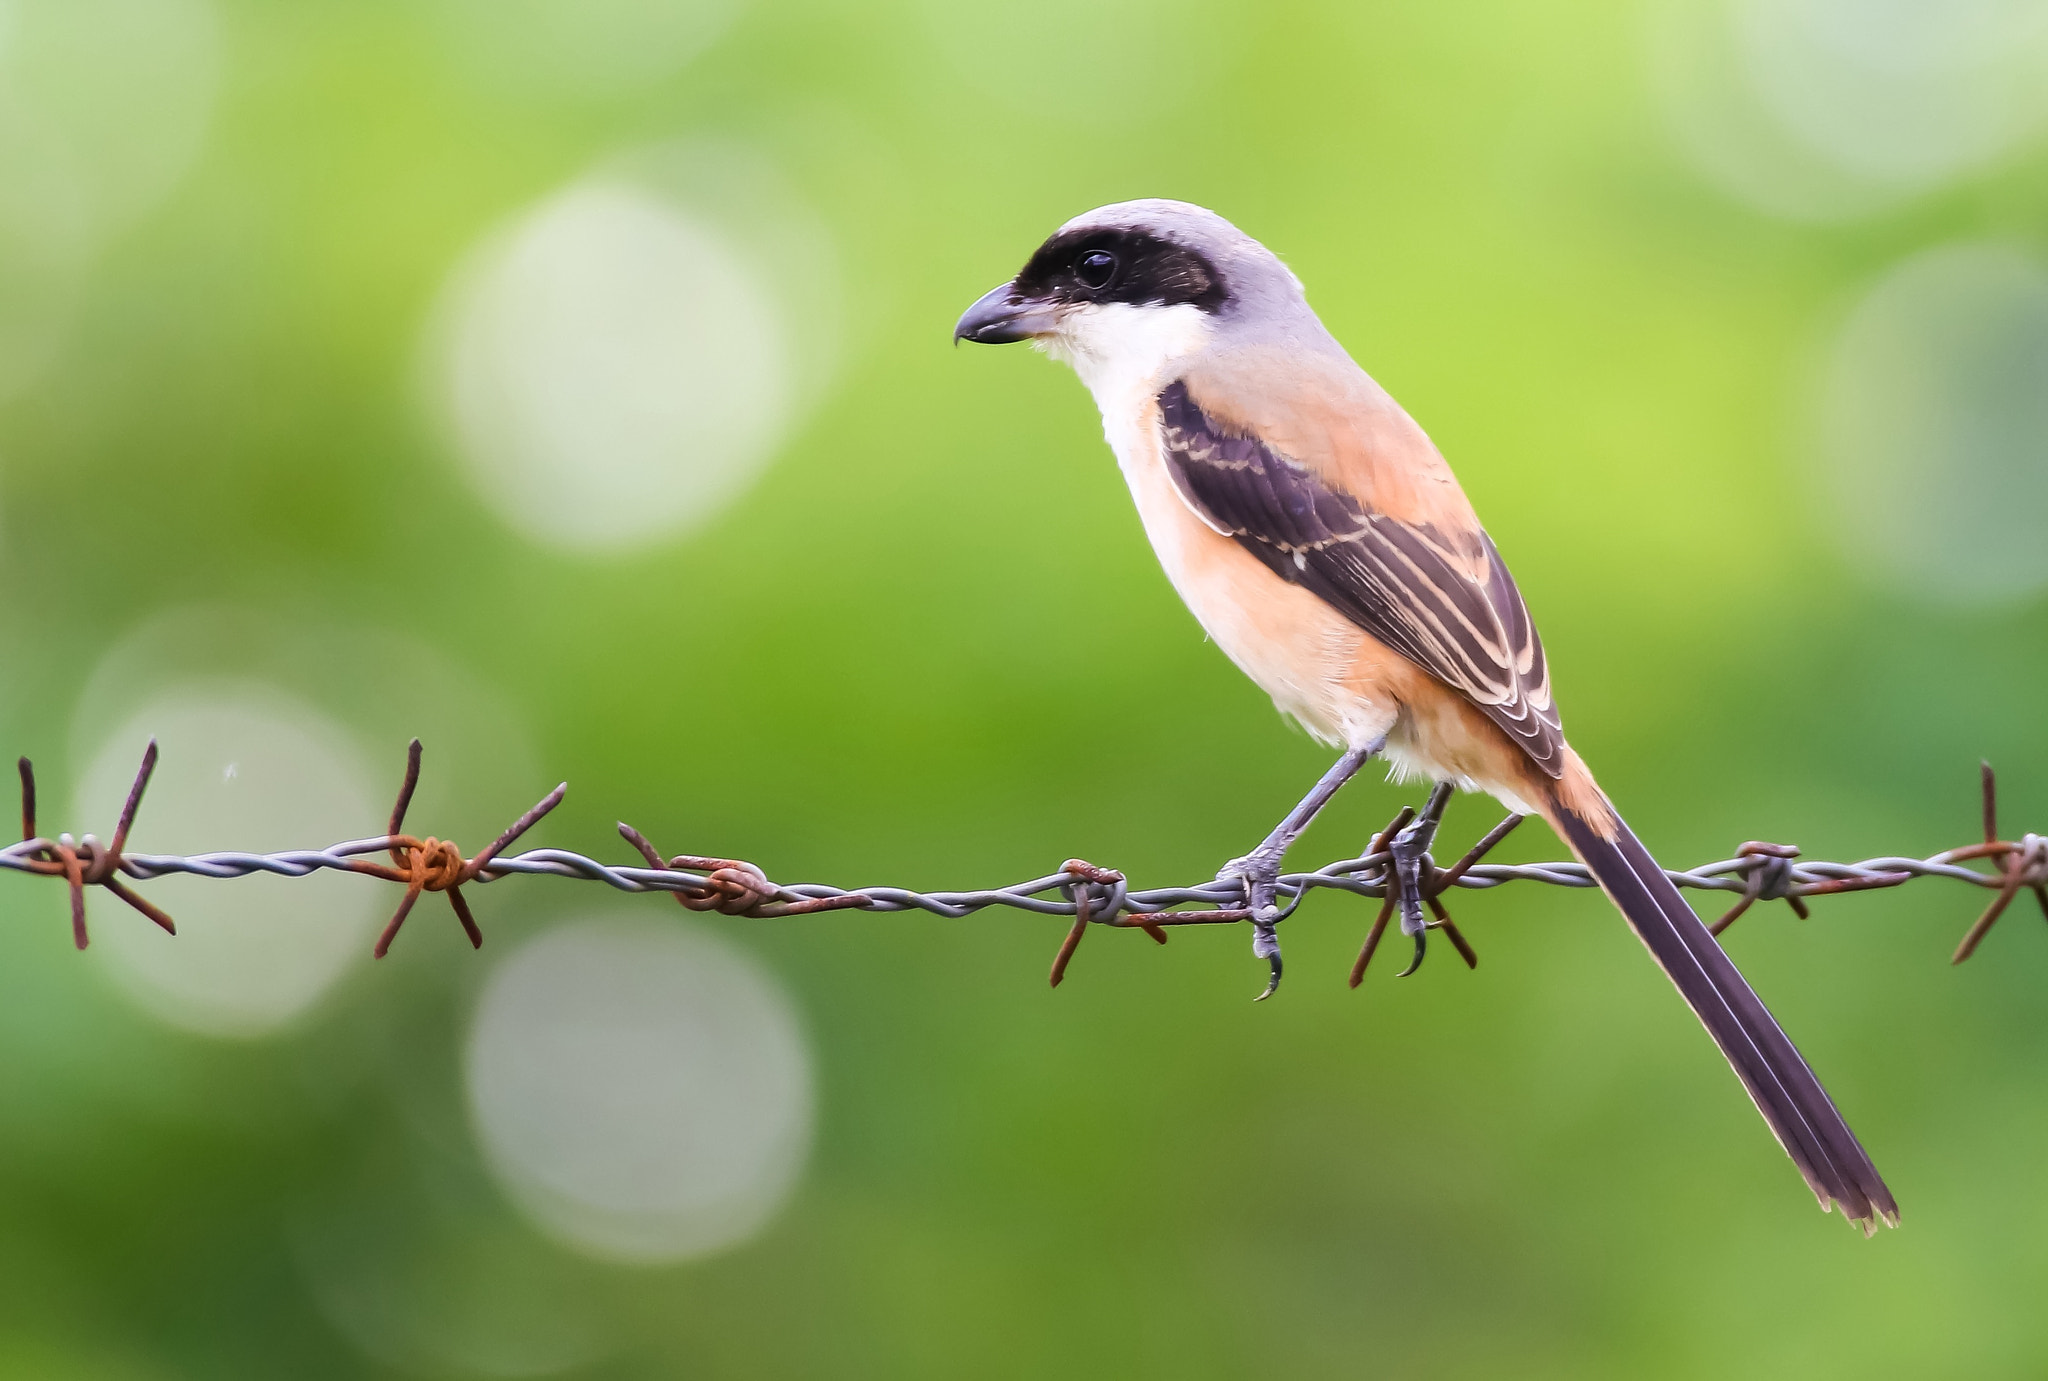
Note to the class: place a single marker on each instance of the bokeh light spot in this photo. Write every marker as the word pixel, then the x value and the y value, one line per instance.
pixel 104 105
pixel 642 1089
pixel 126 86
pixel 1821 110
pixel 1933 426
pixel 243 767
pixel 612 369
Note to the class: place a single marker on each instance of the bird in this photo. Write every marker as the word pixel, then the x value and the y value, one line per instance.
pixel 1320 538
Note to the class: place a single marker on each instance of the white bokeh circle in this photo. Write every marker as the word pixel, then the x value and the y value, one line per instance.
pixel 244 767
pixel 1821 110
pixel 104 105
pixel 1932 426
pixel 124 87
pixel 611 368
pixel 384 686
pixel 641 1089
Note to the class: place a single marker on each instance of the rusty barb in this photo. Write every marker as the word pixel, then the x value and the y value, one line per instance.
pixel 86 862
pixel 731 886
pixel 1396 869
pixel 1396 866
pixel 436 865
pixel 2020 864
pixel 1423 883
pixel 1771 879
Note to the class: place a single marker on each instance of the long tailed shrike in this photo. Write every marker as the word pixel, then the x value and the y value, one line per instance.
pixel 1322 541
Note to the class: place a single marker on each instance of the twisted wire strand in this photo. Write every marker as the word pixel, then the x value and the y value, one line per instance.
pixel 1363 876
pixel 1760 871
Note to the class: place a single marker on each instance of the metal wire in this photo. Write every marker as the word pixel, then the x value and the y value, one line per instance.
pixel 1359 876
pixel 1091 895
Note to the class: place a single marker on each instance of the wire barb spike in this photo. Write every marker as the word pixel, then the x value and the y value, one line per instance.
pixel 85 863
pixel 436 865
pixel 1377 850
pixel 1396 871
pixel 2020 864
pixel 731 886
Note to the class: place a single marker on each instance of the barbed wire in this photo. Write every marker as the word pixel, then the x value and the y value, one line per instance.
pixel 1759 871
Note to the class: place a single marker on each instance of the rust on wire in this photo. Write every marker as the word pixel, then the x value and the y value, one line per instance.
pixel 731 886
pixel 2020 864
pixel 1082 895
pixel 86 862
pixel 1771 879
pixel 1377 850
pixel 1085 878
pixel 436 865
pixel 1422 888
pixel 1396 870
pixel 1766 881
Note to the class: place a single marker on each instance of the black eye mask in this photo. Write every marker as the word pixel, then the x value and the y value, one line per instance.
pixel 1129 266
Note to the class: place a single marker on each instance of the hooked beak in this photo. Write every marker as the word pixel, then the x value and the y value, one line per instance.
pixel 1000 316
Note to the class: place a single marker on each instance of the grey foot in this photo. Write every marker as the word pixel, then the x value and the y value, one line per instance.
pixel 1410 849
pixel 1259 876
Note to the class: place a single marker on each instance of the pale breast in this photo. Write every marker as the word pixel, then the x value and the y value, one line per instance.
pixel 1298 649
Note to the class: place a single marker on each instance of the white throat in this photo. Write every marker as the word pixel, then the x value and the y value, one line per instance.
pixel 1125 354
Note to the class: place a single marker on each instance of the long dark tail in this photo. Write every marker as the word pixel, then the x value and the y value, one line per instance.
pixel 1778 1079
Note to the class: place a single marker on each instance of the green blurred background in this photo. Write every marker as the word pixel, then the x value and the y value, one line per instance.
pixel 570 385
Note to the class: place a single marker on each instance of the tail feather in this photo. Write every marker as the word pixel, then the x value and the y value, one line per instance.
pixel 1778 1079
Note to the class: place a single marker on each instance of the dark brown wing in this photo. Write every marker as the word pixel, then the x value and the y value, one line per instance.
pixel 1408 585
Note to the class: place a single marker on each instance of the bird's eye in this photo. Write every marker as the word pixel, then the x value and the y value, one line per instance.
pixel 1095 268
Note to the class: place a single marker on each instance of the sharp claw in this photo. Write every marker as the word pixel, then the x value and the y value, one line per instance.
pixel 1266 945
pixel 1273 983
pixel 1410 849
pixel 1257 875
pixel 1421 943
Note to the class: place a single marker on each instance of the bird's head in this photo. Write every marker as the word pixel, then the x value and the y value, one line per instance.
pixel 1125 289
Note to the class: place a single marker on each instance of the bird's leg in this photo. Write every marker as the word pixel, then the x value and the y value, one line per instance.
pixel 1258 872
pixel 1410 849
